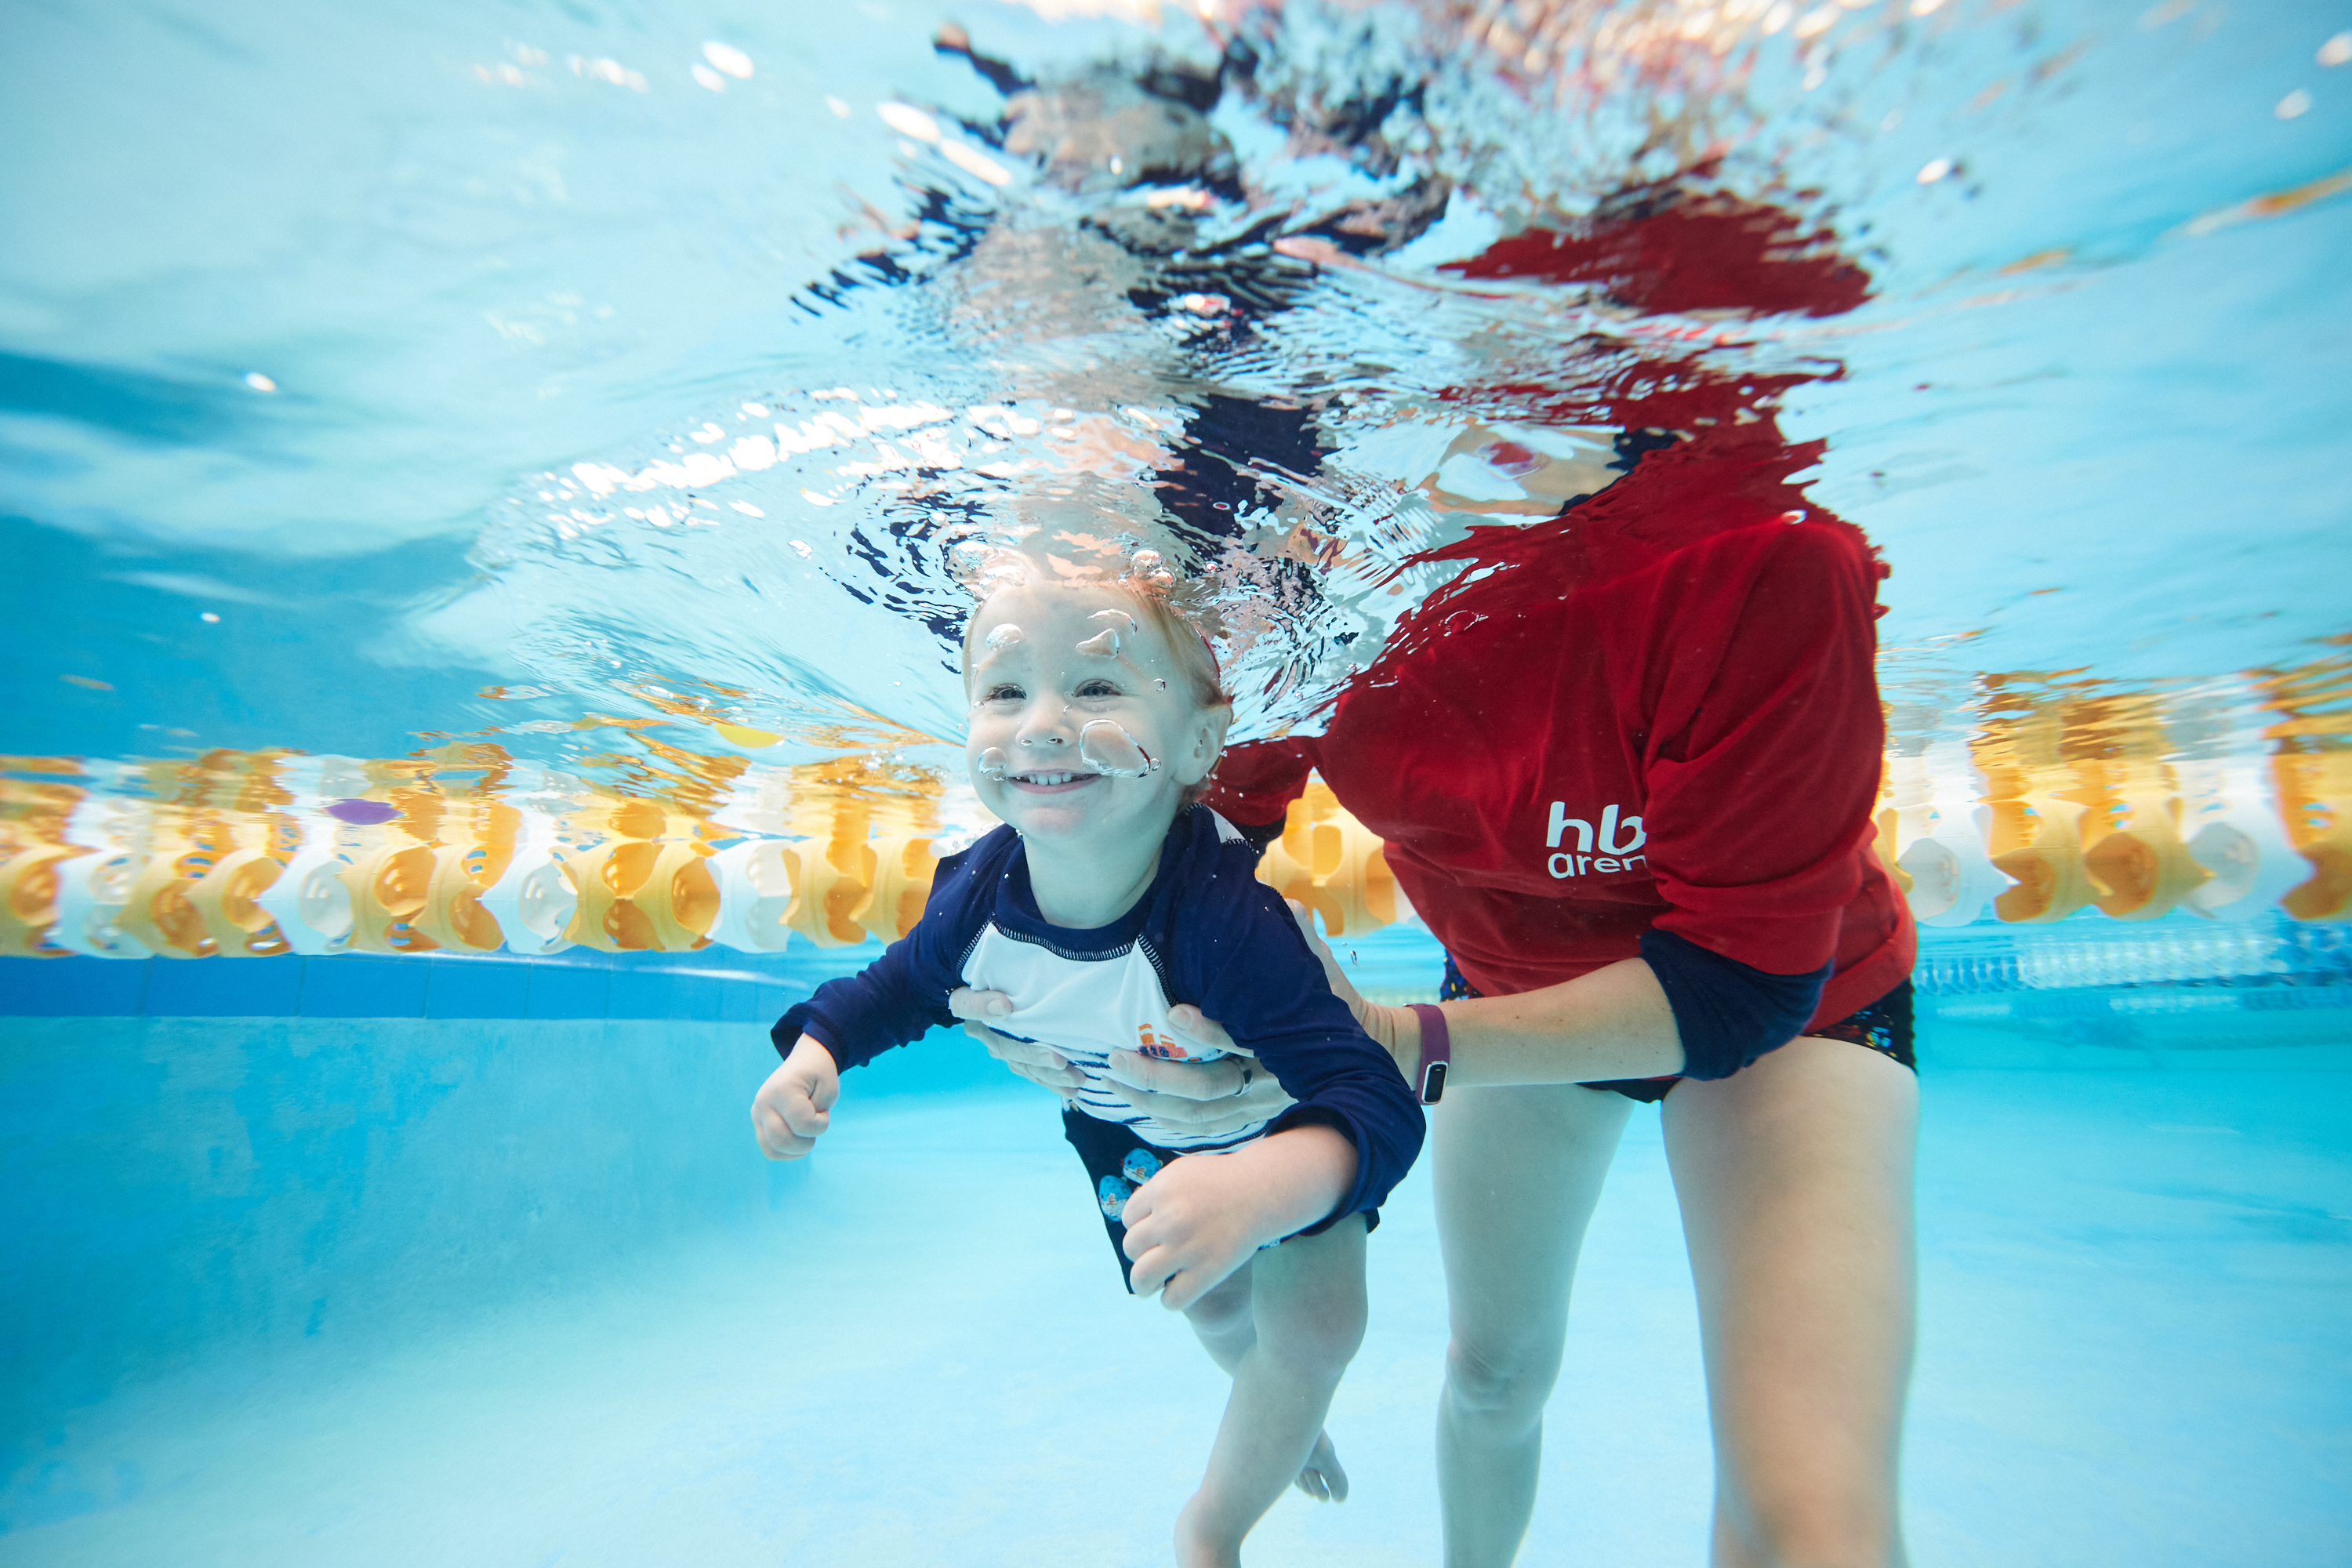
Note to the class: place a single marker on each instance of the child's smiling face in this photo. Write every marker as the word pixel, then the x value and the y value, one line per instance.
pixel 1043 669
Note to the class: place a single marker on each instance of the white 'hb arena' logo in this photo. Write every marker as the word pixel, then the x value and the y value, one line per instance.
pixel 1613 856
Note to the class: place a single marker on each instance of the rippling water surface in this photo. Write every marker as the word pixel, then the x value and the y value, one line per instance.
pixel 625 398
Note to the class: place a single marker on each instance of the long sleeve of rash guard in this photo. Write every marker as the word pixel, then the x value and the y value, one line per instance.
pixel 902 995
pixel 1257 977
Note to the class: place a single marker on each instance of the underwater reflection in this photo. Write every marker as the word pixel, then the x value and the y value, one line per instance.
pixel 2129 803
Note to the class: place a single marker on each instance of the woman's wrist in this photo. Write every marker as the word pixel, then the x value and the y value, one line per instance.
pixel 1436 1052
pixel 1398 1032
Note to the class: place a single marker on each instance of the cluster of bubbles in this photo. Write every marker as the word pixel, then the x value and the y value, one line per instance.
pixel 1104 747
pixel 1107 747
pixel 986 569
pixel 1105 644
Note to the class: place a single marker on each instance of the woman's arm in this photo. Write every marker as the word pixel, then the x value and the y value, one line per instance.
pixel 1613 1023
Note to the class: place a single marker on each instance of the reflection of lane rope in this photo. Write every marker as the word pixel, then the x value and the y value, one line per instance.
pixel 2020 822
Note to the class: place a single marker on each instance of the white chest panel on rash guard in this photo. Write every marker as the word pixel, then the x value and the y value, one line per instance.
pixel 1085 1008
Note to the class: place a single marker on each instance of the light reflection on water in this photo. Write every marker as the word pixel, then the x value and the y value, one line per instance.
pixel 1321 304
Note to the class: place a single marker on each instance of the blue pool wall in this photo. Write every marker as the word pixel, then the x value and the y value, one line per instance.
pixel 215 1163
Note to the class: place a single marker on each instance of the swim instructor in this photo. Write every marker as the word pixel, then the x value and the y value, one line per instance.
pixel 1626 777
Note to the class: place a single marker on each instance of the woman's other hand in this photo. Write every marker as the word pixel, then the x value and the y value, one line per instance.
pixel 1204 1097
pixel 1207 1097
pixel 1041 1065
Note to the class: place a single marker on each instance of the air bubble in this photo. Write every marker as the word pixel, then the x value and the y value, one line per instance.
pixel 1107 747
pixel 1115 624
pixel 1003 636
pixel 993 764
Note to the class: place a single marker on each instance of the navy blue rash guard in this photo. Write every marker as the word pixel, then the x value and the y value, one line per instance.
pixel 1206 932
pixel 1728 1012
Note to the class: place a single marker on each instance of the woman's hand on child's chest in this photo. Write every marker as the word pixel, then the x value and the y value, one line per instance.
pixel 1203 1098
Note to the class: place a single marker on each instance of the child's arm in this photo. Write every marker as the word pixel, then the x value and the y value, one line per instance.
pixel 901 995
pixel 1256 975
pixel 1201 1216
pixel 794 1106
pixel 850 1020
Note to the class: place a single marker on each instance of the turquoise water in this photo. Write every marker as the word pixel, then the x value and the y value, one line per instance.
pixel 482 1290
pixel 408 418
pixel 364 1292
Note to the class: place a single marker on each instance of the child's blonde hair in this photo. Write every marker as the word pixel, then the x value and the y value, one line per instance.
pixel 1187 643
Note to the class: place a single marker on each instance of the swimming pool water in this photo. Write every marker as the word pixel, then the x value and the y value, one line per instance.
pixel 377 1293
pixel 442 448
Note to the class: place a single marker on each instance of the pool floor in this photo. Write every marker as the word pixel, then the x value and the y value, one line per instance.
pixel 2135 1287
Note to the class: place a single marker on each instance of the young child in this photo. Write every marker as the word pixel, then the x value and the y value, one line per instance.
pixel 1108 897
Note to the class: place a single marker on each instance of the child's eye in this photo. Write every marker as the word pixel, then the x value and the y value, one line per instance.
pixel 1002 691
pixel 1097 688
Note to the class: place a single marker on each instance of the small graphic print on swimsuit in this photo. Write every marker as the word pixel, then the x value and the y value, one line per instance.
pixel 1613 847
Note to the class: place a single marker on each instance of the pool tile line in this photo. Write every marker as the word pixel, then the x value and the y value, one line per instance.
pixel 366 986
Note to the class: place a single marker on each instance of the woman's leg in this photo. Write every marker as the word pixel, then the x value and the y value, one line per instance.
pixel 1306 1301
pixel 1795 1180
pixel 1517 1173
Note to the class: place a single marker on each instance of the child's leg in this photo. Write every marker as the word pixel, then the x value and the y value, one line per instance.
pixel 1228 1328
pixel 1306 1301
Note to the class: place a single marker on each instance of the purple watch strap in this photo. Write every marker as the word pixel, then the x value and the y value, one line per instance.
pixel 1436 1051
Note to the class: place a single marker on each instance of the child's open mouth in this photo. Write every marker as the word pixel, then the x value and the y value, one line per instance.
pixel 1051 784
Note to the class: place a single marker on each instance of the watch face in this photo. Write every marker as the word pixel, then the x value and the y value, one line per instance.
pixel 1432 1083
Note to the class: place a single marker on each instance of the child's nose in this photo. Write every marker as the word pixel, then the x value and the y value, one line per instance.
pixel 1046 726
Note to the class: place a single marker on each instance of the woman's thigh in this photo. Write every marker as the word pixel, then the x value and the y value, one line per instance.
pixel 1795 1179
pixel 1516 1173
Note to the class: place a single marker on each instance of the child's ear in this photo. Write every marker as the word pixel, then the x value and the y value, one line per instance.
pixel 1208 745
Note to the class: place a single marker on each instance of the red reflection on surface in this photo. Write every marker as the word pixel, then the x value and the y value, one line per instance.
pixel 1666 250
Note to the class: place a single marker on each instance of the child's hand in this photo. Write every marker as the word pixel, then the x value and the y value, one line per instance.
pixel 1203 1215
pixel 1188 1227
pixel 794 1106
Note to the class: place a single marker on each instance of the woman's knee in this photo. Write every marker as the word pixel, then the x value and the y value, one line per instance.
pixel 1809 1516
pixel 1501 1375
pixel 1817 1534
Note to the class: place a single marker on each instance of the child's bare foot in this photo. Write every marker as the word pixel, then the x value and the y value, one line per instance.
pixel 1322 1479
